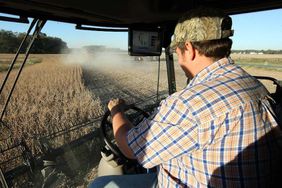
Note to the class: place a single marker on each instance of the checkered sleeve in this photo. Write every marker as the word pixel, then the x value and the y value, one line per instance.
pixel 171 133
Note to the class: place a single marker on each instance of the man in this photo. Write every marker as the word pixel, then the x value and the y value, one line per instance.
pixel 217 132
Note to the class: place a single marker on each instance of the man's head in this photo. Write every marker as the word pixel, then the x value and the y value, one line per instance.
pixel 207 29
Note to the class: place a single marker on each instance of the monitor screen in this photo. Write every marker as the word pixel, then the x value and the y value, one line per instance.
pixel 144 42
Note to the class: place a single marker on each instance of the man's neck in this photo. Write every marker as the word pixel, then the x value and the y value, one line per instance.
pixel 200 63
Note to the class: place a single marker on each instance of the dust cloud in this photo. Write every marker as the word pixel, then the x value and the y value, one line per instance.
pixel 99 60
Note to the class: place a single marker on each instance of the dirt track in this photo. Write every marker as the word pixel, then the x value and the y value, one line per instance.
pixel 135 81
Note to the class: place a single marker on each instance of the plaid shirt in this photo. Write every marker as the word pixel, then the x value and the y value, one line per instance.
pixel 214 133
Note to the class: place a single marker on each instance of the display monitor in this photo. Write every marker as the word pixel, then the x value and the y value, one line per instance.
pixel 144 42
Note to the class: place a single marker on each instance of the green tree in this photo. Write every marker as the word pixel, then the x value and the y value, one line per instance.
pixel 9 43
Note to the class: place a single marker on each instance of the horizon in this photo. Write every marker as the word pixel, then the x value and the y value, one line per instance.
pixel 252 31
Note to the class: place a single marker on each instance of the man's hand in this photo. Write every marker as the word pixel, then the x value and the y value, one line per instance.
pixel 116 105
pixel 121 125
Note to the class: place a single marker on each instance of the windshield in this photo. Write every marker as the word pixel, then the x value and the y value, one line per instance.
pixel 55 110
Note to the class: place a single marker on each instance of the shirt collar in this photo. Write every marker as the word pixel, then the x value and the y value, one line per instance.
pixel 207 72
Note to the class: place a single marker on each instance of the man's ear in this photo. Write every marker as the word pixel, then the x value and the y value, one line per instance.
pixel 191 50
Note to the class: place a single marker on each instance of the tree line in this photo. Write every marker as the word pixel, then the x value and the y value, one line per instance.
pixel 10 41
pixel 258 51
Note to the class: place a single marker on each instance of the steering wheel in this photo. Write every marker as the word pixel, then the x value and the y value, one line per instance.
pixel 106 125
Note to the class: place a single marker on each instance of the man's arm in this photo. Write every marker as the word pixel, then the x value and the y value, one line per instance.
pixel 121 125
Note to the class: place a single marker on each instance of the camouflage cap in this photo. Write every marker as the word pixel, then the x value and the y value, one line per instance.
pixel 201 28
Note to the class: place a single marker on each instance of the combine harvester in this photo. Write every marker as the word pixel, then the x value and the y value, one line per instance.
pixel 150 25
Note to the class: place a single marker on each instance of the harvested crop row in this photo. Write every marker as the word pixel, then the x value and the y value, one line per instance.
pixel 49 96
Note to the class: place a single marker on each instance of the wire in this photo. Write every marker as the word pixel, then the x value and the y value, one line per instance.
pixel 158 81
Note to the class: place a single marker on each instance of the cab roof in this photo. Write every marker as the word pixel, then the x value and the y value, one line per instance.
pixel 124 13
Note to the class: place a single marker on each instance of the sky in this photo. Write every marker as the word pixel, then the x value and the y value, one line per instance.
pixel 259 31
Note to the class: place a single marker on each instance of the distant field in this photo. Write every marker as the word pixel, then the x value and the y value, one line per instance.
pixel 256 56
pixel 261 65
pixel 264 61
pixel 7 58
